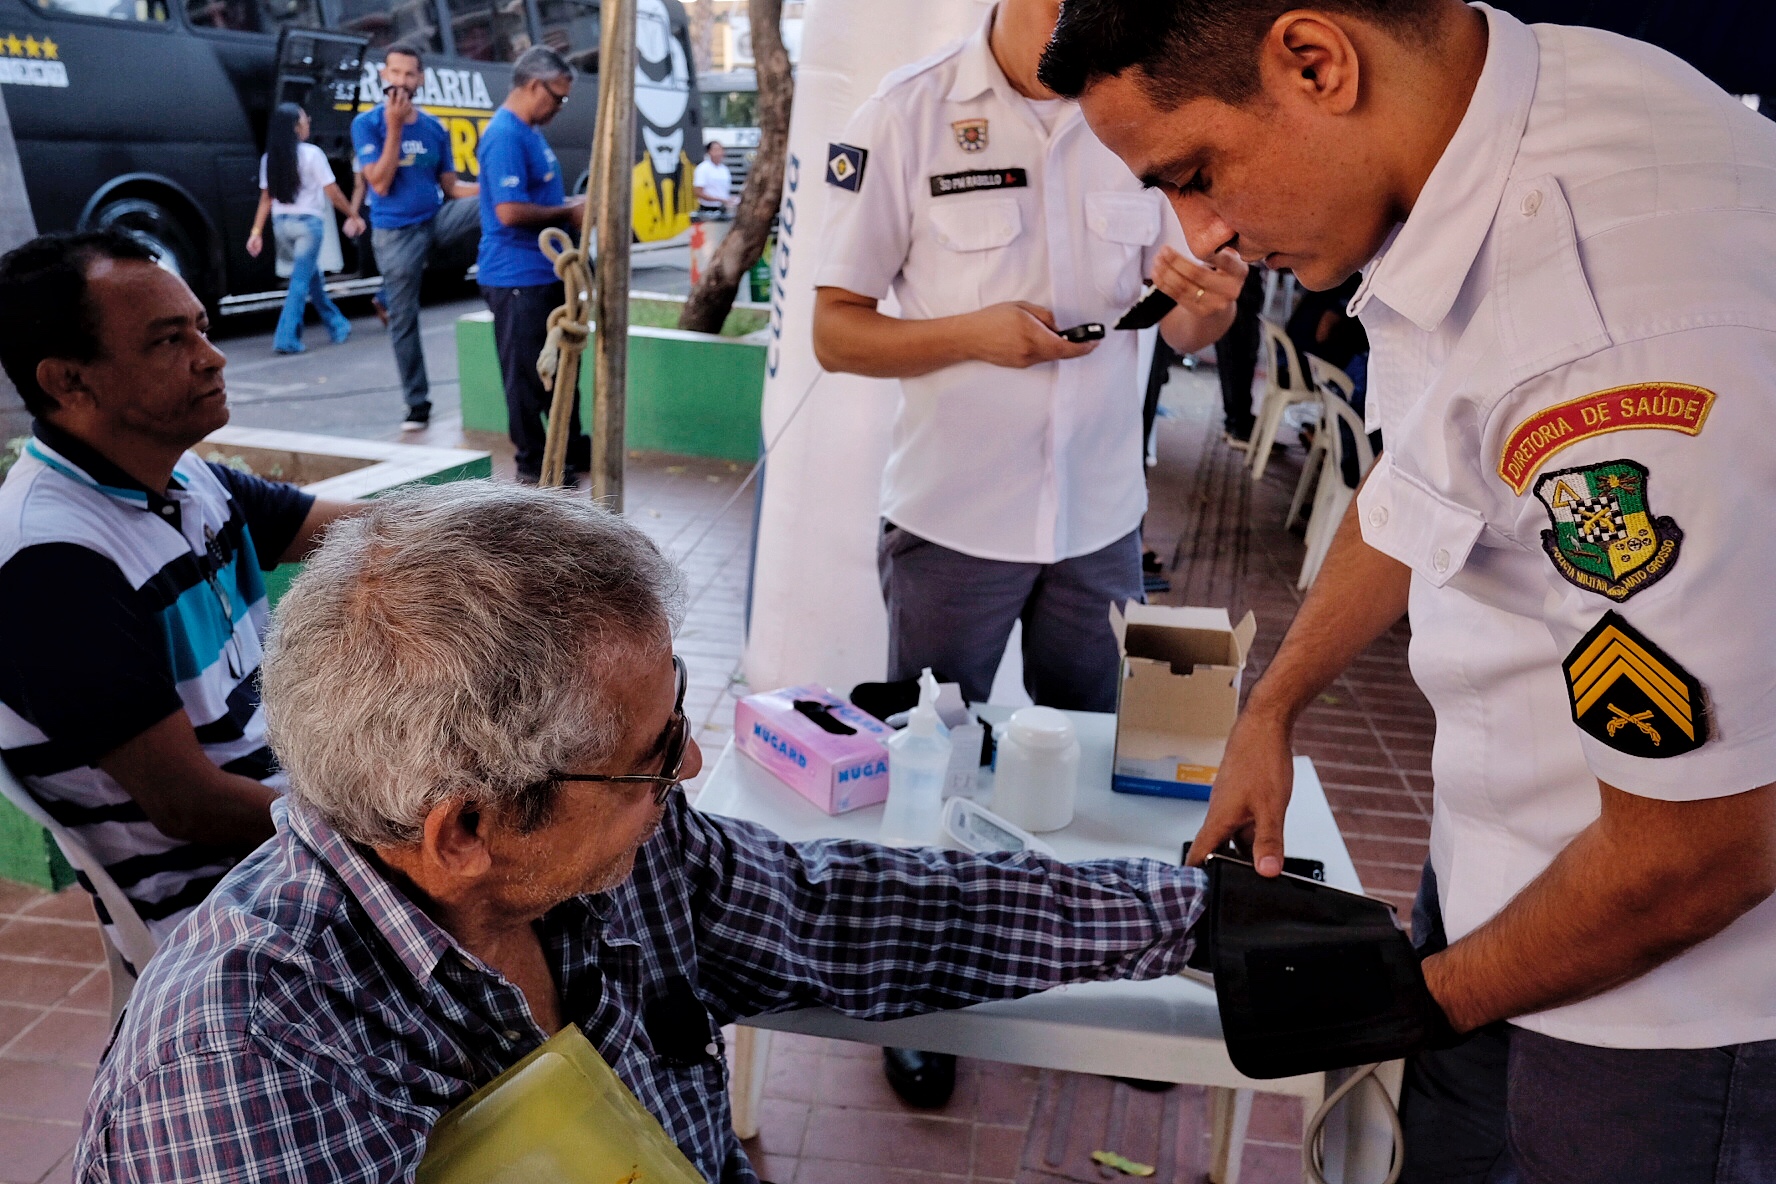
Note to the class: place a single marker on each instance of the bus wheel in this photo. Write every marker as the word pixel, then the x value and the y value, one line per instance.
pixel 156 228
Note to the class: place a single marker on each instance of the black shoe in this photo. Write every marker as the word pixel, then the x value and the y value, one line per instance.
pixel 922 1079
pixel 417 421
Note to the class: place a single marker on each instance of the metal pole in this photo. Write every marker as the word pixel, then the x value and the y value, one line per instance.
pixel 613 166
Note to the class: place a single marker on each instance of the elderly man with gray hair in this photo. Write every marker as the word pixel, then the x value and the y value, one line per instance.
pixel 474 692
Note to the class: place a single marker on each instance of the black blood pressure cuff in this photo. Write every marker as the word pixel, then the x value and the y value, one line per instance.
pixel 1309 977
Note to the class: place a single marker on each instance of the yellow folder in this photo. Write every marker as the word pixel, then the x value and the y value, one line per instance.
pixel 559 1116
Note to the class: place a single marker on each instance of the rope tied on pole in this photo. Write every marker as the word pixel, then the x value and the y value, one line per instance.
pixel 559 362
pixel 568 330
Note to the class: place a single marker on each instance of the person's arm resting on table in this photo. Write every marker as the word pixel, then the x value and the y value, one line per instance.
pixel 877 933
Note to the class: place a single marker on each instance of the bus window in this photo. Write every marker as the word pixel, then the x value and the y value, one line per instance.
pixel 385 23
pixel 251 16
pixel 119 10
pixel 570 28
pixel 488 30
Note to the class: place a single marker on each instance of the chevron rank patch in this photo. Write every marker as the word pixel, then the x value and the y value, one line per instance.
pixel 1605 538
pixel 1628 693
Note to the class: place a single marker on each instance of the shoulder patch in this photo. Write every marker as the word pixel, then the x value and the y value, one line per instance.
pixel 844 166
pixel 1628 693
pixel 1674 406
pixel 1603 535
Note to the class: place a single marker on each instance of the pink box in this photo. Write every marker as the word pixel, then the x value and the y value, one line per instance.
pixel 836 772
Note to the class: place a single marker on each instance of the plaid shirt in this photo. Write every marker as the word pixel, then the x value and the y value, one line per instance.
pixel 308 1022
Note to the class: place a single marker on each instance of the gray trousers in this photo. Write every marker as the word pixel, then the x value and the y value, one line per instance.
pixel 1512 1105
pixel 954 612
pixel 401 255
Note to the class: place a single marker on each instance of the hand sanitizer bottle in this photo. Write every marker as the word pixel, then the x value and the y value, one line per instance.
pixel 918 762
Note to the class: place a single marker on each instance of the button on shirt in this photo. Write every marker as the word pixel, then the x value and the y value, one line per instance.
pixel 120 605
pixel 311 998
pixel 413 196
pixel 517 165
pixel 1574 338
pixel 1033 465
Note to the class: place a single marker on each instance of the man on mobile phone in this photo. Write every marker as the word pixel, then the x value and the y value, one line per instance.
pixel 404 155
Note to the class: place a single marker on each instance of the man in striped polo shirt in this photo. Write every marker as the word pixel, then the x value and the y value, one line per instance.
pixel 131 596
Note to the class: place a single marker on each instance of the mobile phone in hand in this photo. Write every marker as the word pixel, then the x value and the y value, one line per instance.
pixel 1079 334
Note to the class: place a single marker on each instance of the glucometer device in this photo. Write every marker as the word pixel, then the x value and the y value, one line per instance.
pixel 978 829
pixel 1078 334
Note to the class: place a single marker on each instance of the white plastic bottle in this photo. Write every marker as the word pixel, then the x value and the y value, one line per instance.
pixel 918 762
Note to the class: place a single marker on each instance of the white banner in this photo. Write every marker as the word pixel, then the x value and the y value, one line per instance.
pixel 817 611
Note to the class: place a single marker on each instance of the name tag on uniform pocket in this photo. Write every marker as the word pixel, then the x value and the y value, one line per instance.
pixel 974 180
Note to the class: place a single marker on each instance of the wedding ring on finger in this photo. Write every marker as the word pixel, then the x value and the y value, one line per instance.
pixel 1199 293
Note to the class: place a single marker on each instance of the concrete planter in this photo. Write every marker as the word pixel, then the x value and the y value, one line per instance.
pixel 326 466
pixel 693 394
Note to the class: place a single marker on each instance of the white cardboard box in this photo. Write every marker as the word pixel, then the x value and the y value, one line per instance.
pixel 1178 697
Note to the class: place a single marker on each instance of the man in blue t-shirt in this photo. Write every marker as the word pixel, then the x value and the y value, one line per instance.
pixel 521 194
pixel 404 155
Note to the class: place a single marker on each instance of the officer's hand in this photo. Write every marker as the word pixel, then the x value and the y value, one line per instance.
pixel 1205 291
pixel 1251 794
pixel 398 103
pixel 1018 334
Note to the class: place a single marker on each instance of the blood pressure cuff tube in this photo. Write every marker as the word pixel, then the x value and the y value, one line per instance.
pixel 1309 977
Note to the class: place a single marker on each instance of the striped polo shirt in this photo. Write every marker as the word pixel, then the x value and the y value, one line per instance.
pixel 120 605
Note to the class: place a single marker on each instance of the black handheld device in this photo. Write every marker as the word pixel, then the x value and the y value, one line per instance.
pixel 1090 331
pixel 1148 311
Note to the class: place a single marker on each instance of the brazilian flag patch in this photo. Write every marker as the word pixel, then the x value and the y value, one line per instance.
pixel 1628 693
pixel 1604 537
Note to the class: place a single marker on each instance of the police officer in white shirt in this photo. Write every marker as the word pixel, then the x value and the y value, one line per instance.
pixel 1014 488
pixel 1569 240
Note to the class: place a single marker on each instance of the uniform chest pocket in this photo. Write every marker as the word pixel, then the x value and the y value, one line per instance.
pixel 976 263
pixel 1120 226
pixel 977 225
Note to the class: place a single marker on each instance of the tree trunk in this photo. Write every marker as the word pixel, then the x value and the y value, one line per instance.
pixel 701 14
pixel 708 305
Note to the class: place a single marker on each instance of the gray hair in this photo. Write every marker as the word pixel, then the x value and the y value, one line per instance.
pixel 453 642
pixel 539 63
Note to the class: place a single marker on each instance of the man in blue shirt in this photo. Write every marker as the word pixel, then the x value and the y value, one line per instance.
pixel 405 158
pixel 521 194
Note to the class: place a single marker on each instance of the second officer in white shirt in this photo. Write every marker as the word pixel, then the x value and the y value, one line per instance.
pixel 1014 489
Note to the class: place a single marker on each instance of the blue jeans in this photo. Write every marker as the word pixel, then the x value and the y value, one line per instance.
pixel 301 235
pixel 401 254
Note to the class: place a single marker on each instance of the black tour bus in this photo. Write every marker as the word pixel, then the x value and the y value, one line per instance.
pixel 151 114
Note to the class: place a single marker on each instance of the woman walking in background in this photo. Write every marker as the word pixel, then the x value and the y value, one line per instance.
pixel 295 185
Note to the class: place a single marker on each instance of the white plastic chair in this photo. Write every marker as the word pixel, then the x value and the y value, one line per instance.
pixel 1332 497
pixel 131 932
pixel 1280 391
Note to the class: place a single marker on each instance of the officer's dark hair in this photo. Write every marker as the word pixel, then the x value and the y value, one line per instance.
pixel 283 172
pixel 539 63
pixel 406 49
pixel 44 312
pixel 1191 49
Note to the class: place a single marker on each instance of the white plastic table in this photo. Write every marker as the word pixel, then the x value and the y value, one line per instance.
pixel 1162 1030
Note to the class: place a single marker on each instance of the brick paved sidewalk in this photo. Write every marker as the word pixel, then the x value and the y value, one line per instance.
pixel 828 1117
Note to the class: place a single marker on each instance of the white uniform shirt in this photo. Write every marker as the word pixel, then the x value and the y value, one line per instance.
pixel 314 175
pixel 1603 218
pixel 709 177
pixel 1031 465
